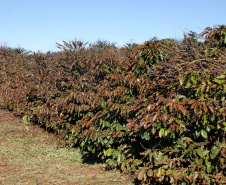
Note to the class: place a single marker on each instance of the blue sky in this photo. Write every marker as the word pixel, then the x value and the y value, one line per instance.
pixel 39 24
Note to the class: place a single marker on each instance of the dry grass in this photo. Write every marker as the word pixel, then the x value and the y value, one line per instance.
pixel 29 155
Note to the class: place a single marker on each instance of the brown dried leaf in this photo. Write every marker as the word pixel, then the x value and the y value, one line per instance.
pixel 199 114
pixel 150 107
pixel 141 175
pixel 123 147
pixel 155 118
pixel 130 124
pixel 183 110
pixel 171 120
pixel 204 107
pixel 211 109
pixel 161 99
pixel 119 134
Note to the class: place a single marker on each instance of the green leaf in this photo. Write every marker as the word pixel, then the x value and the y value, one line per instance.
pixel 180 97
pixel 202 153
pixel 215 152
pixel 26 119
pixel 153 130
pixel 150 173
pixel 221 77
pixel 193 79
pixel 219 81
pixel 203 87
pixel 187 139
pixel 103 104
pixel 199 161
pixel 197 133
pixel 82 144
pixel 182 80
pixel 119 158
pixel 204 134
pixel 166 132
pixel 110 162
pixel 109 151
pixel 146 136
pixel 161 133
pixel 188 85
pixel 118 126
pixel 209 167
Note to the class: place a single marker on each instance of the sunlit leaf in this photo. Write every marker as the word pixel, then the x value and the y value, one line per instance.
pixel 215 152
pixel 204 134
pixel 199 161
pixel 141 174
pixel 202 153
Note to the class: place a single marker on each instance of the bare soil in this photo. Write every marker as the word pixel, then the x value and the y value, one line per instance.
pixel 29 155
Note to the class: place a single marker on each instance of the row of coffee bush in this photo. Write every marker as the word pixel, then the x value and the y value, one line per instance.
pixel 155 110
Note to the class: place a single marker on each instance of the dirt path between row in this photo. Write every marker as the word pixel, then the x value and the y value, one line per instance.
pixel 29 155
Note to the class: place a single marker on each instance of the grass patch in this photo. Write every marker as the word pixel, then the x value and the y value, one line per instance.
pixel 33 156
